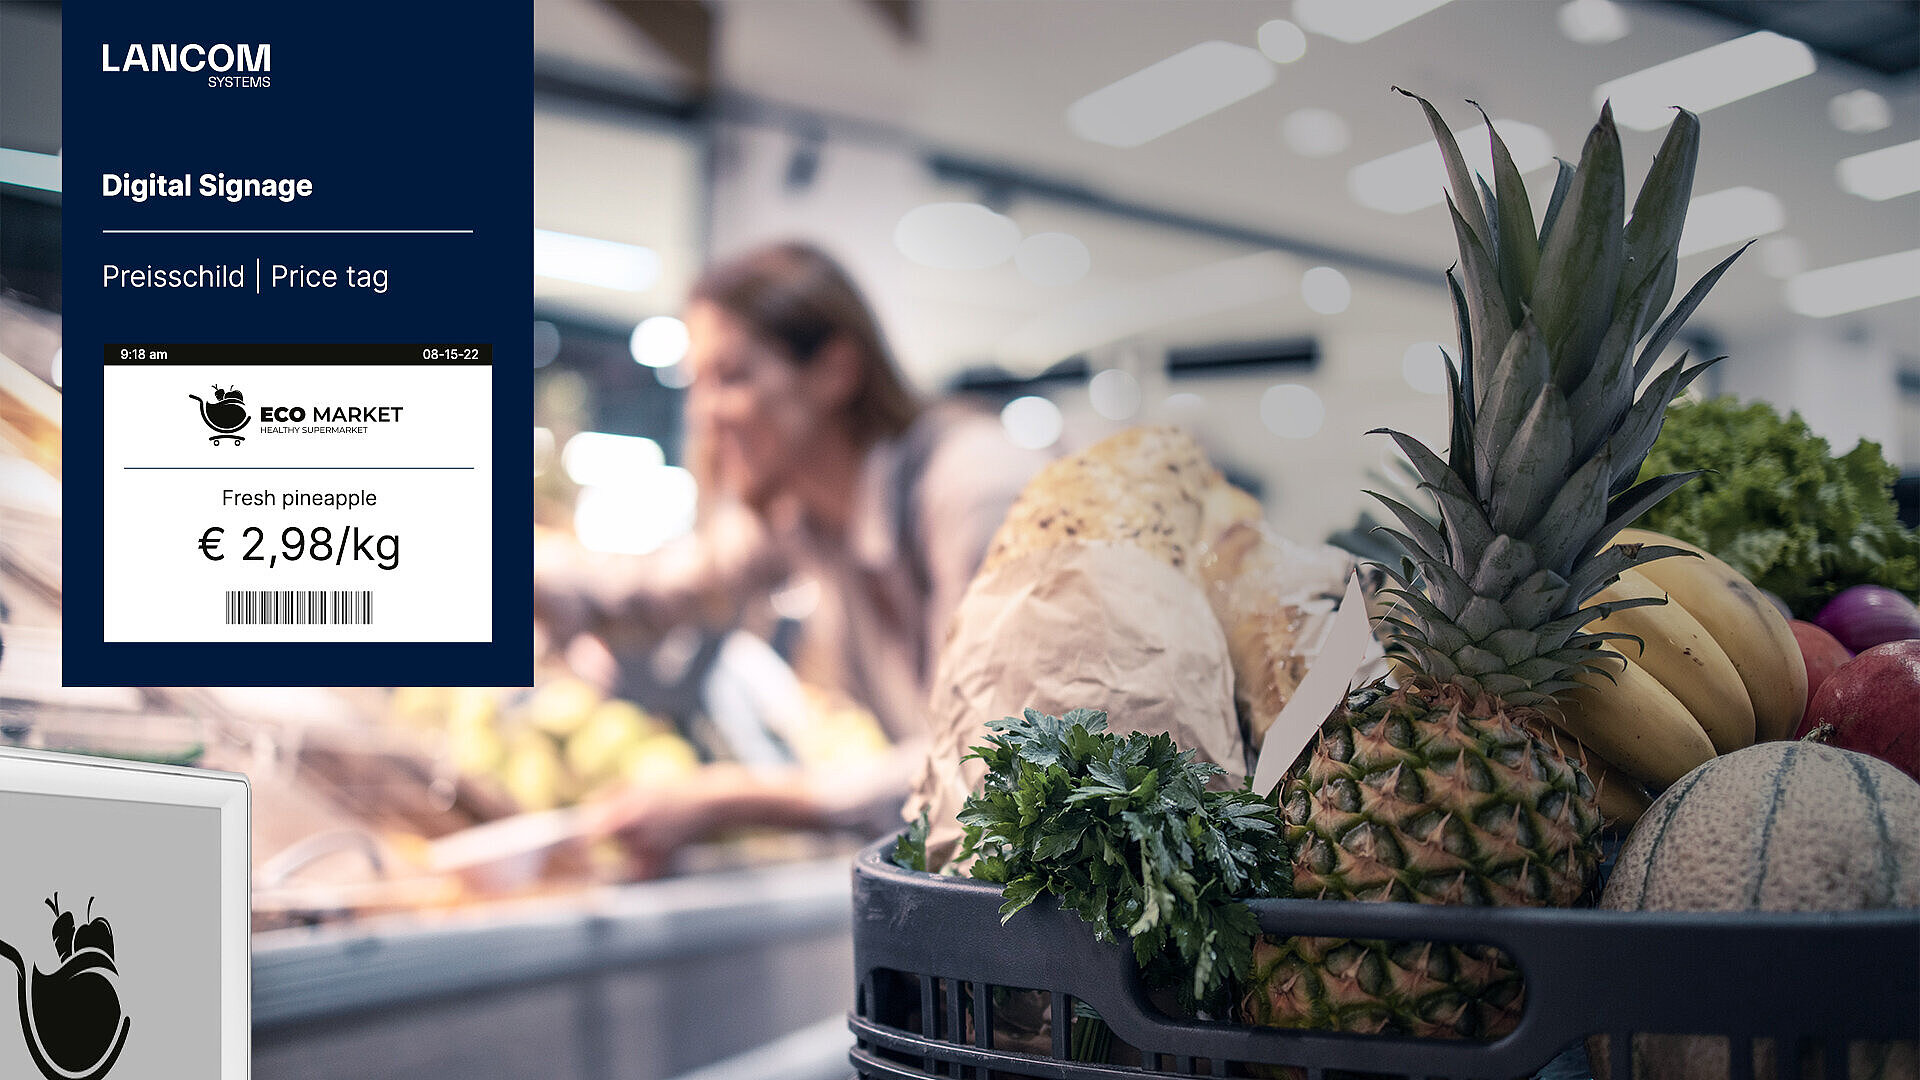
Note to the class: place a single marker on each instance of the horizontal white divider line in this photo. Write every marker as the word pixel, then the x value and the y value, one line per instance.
pixel 286 232
pixel 348 468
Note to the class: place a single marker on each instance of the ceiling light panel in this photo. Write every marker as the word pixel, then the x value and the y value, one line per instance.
pixel 1354 21
pixel 1882 174
pixel 956 236
pixel 1853 286
pixel 28 169
pixel 1170 94
pixel 1704 80
pixel 589 261
pixel 603 458
pixel 1732 216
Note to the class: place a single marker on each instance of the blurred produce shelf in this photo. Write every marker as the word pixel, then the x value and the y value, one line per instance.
pixel 632 982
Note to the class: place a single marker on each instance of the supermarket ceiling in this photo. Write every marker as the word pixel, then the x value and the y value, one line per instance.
pixel 1881 35
pixel 833 118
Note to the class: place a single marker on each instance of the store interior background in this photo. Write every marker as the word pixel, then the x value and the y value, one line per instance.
pixel 1241 274
pixel 834 121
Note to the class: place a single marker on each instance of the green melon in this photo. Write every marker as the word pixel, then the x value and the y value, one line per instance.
pixel 1781 826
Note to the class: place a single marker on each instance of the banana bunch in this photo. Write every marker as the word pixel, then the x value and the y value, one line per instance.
pixel 1716 669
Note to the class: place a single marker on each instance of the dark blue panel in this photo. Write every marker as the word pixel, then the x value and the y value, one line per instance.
pixel 403 117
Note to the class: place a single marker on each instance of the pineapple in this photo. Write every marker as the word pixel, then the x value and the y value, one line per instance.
pixel 1452 789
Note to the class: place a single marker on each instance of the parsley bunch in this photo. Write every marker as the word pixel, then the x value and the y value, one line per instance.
pixel 1123 830
pixel 910 852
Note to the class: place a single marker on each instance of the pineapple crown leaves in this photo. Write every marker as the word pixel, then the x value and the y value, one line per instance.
pixel 1123 831
pixel 1547 436
pixel 1508 659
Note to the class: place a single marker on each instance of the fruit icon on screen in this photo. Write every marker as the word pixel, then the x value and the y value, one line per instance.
pixel 71 1016
pixel 94 933
pixel 62 927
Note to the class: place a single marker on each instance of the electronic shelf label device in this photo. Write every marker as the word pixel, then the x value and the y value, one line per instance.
pixel 124 920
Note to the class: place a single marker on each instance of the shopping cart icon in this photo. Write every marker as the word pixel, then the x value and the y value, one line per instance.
pixel 225 414
pixel 71 1017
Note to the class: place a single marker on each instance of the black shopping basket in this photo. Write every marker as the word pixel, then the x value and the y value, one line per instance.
pixel 934 963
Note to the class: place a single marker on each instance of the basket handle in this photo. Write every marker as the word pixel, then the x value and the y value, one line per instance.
pixel 1585 969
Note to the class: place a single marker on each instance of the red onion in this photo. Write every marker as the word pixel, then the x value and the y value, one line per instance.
pixel 1869 615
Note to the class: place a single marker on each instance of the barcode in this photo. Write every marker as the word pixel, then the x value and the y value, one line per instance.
pixel 299 607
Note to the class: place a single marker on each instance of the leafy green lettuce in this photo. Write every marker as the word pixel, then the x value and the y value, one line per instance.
pixel 1779 507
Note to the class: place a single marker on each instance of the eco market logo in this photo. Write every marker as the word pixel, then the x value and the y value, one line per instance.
pixel 70 1017
pixel 228 414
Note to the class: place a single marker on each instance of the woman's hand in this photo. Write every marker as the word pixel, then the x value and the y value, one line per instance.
pixel 655 822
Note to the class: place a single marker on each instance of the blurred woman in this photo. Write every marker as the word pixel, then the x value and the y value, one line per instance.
pixel 815 462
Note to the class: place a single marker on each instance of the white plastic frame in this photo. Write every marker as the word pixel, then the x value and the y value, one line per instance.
pixel 34 772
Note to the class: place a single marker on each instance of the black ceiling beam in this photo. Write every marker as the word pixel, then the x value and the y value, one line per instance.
pixel 1879 35
pixel 1291 354
pixel 630 98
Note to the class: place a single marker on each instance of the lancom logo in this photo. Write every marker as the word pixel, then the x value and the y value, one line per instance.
pixel 226 414
pixel 71 1016
pixel 191 56
pixel 228 60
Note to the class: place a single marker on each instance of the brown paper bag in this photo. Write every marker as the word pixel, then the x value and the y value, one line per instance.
pixel 1080 625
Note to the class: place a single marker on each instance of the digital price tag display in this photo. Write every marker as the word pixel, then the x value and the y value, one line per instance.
pixel 306 490
pixel 124 920
pixel 297 259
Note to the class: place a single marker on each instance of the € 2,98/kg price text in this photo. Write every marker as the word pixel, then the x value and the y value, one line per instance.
pixel 349 544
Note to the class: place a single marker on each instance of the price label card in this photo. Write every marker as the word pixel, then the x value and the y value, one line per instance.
pixel 297 272
pixel 298 492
